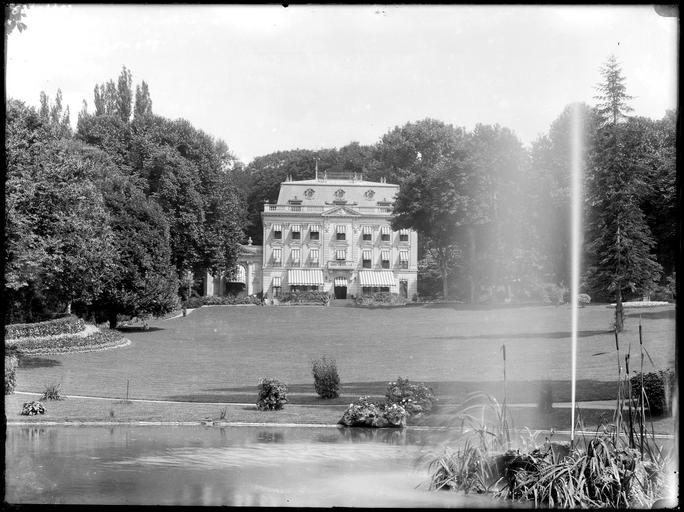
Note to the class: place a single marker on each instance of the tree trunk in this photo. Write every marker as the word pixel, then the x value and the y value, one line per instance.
pixel 68 308
pixel 619 311
pixel 471 265
pixel 445 284
pixel 112 319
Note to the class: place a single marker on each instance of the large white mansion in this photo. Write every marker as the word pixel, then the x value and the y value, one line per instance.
pixel 330 233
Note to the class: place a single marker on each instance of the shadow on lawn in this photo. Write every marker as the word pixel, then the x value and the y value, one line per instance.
pixel 653 315
pixel 37 362
pixel 522 336
pixel 138 328
pixel 448 393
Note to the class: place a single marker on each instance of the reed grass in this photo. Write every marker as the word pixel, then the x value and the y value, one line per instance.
pixel 621 465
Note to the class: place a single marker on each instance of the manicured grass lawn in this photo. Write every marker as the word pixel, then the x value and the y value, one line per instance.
pixel 218 354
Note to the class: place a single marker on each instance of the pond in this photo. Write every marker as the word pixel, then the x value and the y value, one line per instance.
pixel 236 465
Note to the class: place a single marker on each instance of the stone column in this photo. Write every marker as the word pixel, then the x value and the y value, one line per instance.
pixel 250 289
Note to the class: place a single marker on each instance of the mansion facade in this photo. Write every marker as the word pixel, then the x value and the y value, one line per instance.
pixel 332 234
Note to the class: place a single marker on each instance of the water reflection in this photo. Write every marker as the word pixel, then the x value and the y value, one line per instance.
pixel 238 466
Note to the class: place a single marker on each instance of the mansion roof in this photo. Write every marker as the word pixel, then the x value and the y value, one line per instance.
pixel 318 192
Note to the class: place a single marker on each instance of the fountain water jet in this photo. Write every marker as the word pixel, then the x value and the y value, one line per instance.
pixel 576 157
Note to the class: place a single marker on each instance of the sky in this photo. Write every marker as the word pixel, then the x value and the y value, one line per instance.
pixel 269 78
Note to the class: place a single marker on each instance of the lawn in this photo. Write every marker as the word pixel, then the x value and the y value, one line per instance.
pixel 218 354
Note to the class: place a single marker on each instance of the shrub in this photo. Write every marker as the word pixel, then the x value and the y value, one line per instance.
pixel 193 303
pixel 545 403
pixel 65 325
pixel 306 297
pixel 364 413
pixel 272 395
pixel 52 392
pixel 326 378
pixel 32 408
pixel 583 299
pixel 10 373
pixel 658 388
pixel 380 298
pixel 417 398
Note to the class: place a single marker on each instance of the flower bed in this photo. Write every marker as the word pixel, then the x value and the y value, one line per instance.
pixel 104 338
pixel 364 413
pixel 198 302
pixel 65 325
pixel 380 299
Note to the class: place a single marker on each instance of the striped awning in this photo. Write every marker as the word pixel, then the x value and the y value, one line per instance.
pixel 367 254
pixel 403 231
pixel 403 255
pixel 305 277
pixel 276 281
pixel 367 230
pixel 239 275
pixel 376 278
pixel 341 228
pixel 340 254
pixel 385 230
pixel 315 227
pixel 385 255
pixel 277 227
pixel 296 228
pixel 340 281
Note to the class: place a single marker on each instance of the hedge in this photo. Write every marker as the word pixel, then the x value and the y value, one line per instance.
pixel 380 298
pixel 65 325
pixel 104 338
pixel 306 297
pixel 198 302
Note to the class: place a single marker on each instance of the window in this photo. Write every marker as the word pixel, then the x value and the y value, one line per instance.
pixel 403 259
pixel 341 255
pixel 367 291
pixel 385 259
pixel 313 232
pixel 277 231
pixel 276 287
pixel 385 233
pixel 367 257
pixel 313 257
pixel 277 257
pixel 404 235
pixel 367 233
pixel 294 257
pixel 341 232
pixel 296 232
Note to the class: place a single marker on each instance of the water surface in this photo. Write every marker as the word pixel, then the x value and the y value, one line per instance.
pixel 239 466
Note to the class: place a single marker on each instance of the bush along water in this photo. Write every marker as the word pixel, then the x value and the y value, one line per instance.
pixel 365 413
pixel 657 391
pixel 416 398
pixel 52 392
pixel 621 465
pixel 33 408
pixel 326 378
pixel 272 395
pixel 10 373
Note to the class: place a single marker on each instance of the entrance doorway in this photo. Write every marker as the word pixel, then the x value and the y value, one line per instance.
pixel 403 289
pixel 340 292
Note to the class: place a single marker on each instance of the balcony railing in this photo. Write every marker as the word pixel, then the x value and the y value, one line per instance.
pixel 342 264
pixel 289 208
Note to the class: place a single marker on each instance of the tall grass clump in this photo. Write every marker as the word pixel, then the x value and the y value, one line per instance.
pixel 52 392
pixel 326 378
pixel 620 466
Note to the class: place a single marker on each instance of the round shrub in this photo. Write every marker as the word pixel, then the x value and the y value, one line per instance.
pixel 417 398
pixel 658 387
pixel 272 395
pixel 364 413
pixel 32 408
pixel 583 299
pixel 10 373
pixel 326 378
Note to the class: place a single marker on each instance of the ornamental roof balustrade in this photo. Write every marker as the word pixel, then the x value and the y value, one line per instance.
pixel 288 208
